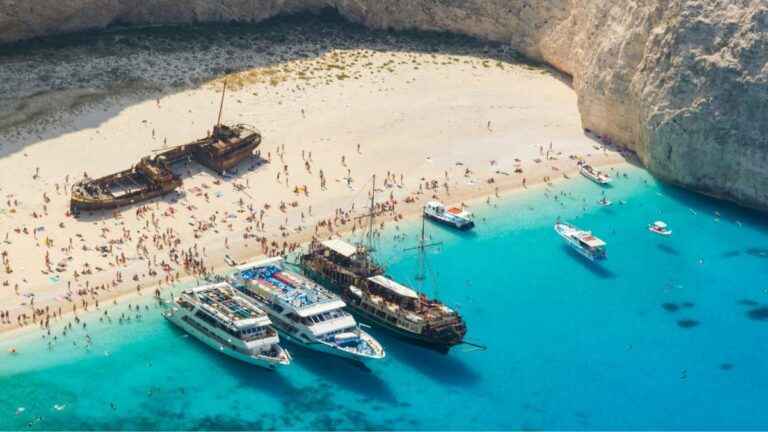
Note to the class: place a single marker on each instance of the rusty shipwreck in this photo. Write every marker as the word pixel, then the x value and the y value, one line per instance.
pixel 152 176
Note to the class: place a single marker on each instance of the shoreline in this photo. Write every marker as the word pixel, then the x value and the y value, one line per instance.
pixel 406 212
pixel 424 119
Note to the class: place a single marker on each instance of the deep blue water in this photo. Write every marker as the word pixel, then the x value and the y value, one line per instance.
pixel 665 334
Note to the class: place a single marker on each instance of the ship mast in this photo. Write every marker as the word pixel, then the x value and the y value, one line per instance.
pixel 221 105
pixel 421 274
pixel 371 214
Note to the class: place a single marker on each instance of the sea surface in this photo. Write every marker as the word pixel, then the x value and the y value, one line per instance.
pixel 668 333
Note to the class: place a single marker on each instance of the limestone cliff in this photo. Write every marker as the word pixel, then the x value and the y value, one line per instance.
pixel 681 82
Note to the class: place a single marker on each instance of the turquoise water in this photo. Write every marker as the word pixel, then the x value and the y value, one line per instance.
pixel 666 334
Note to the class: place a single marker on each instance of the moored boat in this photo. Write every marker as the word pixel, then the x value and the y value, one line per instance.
pixel 660 228
pixel 451 216
pixel 223 319
pixel 352 272
pixel 583 242
pixel 381 301
pixel 304 312
pixel 593 174
pixel 605 202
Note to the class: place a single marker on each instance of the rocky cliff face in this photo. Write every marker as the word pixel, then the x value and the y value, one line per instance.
pixel 684 83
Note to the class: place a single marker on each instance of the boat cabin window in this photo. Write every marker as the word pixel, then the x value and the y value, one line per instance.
pixel 203 316
pixel 325 316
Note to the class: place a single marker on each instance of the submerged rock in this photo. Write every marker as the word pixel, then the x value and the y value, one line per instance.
pixel 758 314
pixel 670 307
pixel 687 323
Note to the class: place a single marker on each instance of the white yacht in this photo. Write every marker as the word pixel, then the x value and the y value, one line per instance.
pixel 222 318
pixel 596 176
pixel 660 228
pixel 305 312
pixel 584 242
pixel 452 216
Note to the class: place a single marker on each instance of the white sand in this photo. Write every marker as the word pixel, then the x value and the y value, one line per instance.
pixel 418 115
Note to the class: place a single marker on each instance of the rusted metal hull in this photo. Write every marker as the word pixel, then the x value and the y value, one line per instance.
pixel 227 162
pixel 152 176
pixel 87 204
pixel 80 203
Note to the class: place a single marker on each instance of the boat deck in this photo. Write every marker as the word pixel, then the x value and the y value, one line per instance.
pixel 289 287
pixel 223 299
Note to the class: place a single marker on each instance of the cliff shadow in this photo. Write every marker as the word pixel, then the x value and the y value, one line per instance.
pixel 93 76
pixel 714 208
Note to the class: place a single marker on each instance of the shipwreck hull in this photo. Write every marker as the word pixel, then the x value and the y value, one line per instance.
pixel 221 164
pixel 152 176
pixel 83 203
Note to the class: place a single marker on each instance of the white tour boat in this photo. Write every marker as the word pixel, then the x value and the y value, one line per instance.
pixel 452 216
pixel 222 318
pixel 582 241
pixel 660 228
pixel 305 312
pixel 596 176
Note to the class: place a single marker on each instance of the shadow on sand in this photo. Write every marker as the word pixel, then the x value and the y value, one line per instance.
pixel 112 63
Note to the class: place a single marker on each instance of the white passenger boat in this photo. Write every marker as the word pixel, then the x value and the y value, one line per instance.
pixel 584 242
pixel 596 176
pixel 660 228
pixel 222 318
pixel 451 216
pixel 304 312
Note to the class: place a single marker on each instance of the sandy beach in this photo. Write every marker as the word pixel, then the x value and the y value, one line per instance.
pixel 413 119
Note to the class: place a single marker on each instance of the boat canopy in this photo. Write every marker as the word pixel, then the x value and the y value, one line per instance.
pixel 319 308
pixel 221 300
pixel 660 224
pixel 340 247
pixel 591 241
pixel 393 286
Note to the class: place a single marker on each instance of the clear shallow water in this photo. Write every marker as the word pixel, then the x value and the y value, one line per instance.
pixel 570 345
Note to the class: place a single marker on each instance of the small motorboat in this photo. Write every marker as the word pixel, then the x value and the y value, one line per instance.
pixel 605 202
pixel 451 216
pixel 660 228
pixel 593 174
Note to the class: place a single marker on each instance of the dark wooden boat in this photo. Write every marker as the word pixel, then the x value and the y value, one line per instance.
pixel 226 147
pixel 152 177
pixel 352 273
